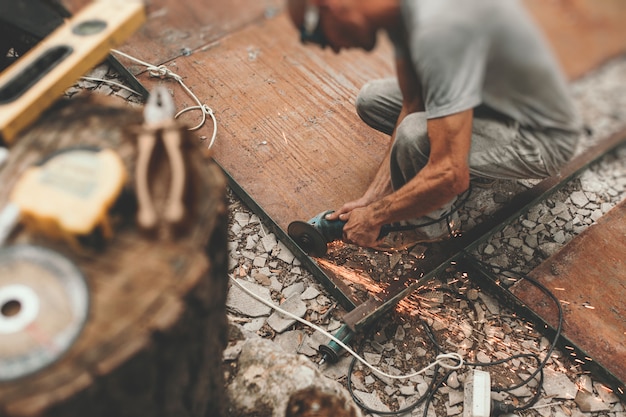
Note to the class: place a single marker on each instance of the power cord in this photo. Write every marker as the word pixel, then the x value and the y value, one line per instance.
pixel 542 364
pixel 441 360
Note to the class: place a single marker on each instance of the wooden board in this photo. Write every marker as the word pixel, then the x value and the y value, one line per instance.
pixel 288 132
pixel 177 26
pixel 589 276
pixel 164 315
pixel 583 33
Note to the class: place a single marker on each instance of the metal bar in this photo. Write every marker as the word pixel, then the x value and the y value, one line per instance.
pixel 488 281
pixel 128 76
pixel 309 263
pixel 366 312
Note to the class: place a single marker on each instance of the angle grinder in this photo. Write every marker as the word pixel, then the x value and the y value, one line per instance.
pixel 313 236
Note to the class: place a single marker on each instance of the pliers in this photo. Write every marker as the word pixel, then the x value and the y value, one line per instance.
pixel 159 122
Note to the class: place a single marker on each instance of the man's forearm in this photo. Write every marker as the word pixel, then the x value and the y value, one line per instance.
pixel 427 192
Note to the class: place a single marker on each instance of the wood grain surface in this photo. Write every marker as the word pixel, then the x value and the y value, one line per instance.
pixel 157 323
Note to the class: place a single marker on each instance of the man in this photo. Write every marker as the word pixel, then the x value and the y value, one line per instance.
pixel 477 94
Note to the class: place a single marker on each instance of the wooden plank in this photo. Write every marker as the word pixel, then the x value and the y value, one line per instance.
pixel 589 276
pixel 175 27
pixel 583 33
pixel 288 133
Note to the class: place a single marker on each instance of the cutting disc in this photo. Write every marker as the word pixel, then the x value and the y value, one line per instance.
pixel 44 302
pixel 308 238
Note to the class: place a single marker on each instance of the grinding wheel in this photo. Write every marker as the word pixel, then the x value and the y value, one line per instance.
pixel 308 238
pixel 44 301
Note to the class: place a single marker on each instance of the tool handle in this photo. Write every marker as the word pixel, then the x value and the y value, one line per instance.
pixel 174 208
pixel 333 229
pixel 146 214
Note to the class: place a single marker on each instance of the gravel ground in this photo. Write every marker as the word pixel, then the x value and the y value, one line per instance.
pixel 459 316
pixel 450 313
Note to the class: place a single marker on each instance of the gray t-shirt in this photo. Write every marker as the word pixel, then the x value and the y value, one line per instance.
pixel 472 52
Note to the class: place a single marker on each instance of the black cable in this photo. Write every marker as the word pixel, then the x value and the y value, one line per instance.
pixel 557 335
pixel 396 227
pixel 432 387
pixel 435 385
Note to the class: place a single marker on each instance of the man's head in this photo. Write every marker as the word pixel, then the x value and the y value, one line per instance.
pixel 334 23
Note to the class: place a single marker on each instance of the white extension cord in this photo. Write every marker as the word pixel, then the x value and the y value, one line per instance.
pixel 441 360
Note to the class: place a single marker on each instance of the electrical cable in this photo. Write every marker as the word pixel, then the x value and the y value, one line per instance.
pixel 441 359
pixel 541 363
pixel 456 206
pixel 161 71
pixel 432 387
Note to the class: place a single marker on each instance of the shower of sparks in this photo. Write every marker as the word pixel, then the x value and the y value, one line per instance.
pixel 412 305
pixel 363 281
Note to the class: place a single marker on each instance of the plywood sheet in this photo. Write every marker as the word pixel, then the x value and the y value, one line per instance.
pixel 589 276
pixel 583 33
pixel 288 132
pixel 176 27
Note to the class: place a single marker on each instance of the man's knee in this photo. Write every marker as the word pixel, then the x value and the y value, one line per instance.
pixel 378 104
pixel 412 136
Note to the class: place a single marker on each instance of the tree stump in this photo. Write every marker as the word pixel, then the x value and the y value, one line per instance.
pixel 156 328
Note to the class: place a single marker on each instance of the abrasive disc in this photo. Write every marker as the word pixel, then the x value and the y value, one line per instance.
pixel 44 302
pixel 308 238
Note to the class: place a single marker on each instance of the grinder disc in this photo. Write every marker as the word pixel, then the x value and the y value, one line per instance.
pixel 308 238
pixel 43 307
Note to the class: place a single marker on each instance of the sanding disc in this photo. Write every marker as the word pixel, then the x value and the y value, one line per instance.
pixel 44 302
pixel 308 238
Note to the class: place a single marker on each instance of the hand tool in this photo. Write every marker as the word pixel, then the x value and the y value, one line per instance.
pixel 330 351
pixel 67 195
pixel 159 121
pixel 313 236
pixel 44 303
pixel 39 77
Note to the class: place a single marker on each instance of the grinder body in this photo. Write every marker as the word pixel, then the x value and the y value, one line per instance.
pixel 313 236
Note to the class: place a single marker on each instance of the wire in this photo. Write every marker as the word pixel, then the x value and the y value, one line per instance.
pixel 397 227
pixel 441 359
pixel 111 83
pixel 543 363
pixel 161 71
pixel 432 387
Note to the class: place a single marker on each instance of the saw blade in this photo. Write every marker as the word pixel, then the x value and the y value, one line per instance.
pixel 44 302
pixel 308 238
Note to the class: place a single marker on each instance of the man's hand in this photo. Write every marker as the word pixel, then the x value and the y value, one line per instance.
pixel 360 229
pixel 344 212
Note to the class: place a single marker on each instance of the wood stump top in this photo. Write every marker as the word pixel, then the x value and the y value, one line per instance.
pixel 138 284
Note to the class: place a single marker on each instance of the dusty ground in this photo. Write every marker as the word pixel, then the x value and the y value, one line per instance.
pixel 451 313
pixel 461 317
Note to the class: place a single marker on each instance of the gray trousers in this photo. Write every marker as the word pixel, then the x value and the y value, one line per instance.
pixel 500 149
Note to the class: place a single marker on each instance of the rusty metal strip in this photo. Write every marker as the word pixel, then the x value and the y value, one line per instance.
pixel 490 283
pixel 365 313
